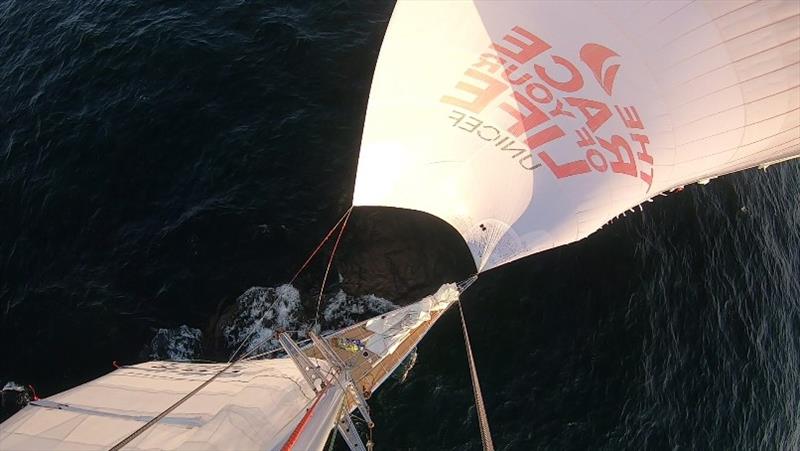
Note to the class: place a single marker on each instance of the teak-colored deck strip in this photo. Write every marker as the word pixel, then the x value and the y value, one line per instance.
pixel 364 374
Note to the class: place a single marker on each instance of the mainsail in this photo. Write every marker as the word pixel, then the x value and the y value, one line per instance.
pixel 528 125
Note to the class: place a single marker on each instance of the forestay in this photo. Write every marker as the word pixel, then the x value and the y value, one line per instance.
pixel 528 125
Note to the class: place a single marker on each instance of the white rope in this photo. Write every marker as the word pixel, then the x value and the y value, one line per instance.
pixel 483 421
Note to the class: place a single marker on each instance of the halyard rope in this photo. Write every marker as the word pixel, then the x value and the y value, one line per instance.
pixel 483 422
pixel 344 218
pixel 330 261
pixel 289 445
pixel 330 232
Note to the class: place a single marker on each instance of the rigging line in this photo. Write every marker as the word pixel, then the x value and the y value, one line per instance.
pixel 319 246
pixel 291 420
pixel 308 260
pixel 167 411
pixel 466 283
pixel 231 361
pixel 272 351
pixel 289 445
pixel 332 438
pixel 330 261
pixel 334 433
pixel 249 354
pixel 483 421
pixel 250 334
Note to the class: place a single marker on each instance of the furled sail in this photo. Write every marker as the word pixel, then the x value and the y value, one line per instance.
pixel 527 125
pixel 254 406
pixel 273 404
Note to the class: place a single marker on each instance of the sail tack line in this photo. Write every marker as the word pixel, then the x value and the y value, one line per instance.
pixel 289 445
pixel 321 243
pixel 344 219
pixel 330 261
pixel 480 408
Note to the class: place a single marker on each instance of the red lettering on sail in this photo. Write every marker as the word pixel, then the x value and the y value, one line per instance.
pixel 492 65
pixel 518 81
pixel 574 83
pixel 543 137
pixel 644 156
pixel 616 146
pixel 551 93
pixel 546 97
pixel 594 56
pixel 483 95
pixel 585 138
pixel 564 170
pixel 596 113
pixel 630 117
pixel 643 142
pixel 597 160
pixel 524 123
pixel 560 111
pixel 526 50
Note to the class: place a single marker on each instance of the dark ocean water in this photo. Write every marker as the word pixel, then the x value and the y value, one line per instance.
pixel 157 159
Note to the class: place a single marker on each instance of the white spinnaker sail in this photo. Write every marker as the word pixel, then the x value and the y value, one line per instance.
pixel 529 124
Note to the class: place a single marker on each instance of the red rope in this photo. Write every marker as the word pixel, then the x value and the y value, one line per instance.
pixel 301 425
pixel 343 218
pixel 330 260
pixel 310 257
pixel 33 390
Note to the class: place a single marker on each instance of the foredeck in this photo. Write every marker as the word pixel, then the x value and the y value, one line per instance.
pixel 367 369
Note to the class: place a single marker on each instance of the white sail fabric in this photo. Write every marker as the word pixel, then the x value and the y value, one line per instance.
pixel 392 328
pixel 530 124
pixel 253 406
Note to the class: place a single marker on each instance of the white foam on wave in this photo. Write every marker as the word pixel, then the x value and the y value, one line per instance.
pixel 13 397
pixel 342 310
pixel 262 311
pixel 13 386
pixel 179 344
